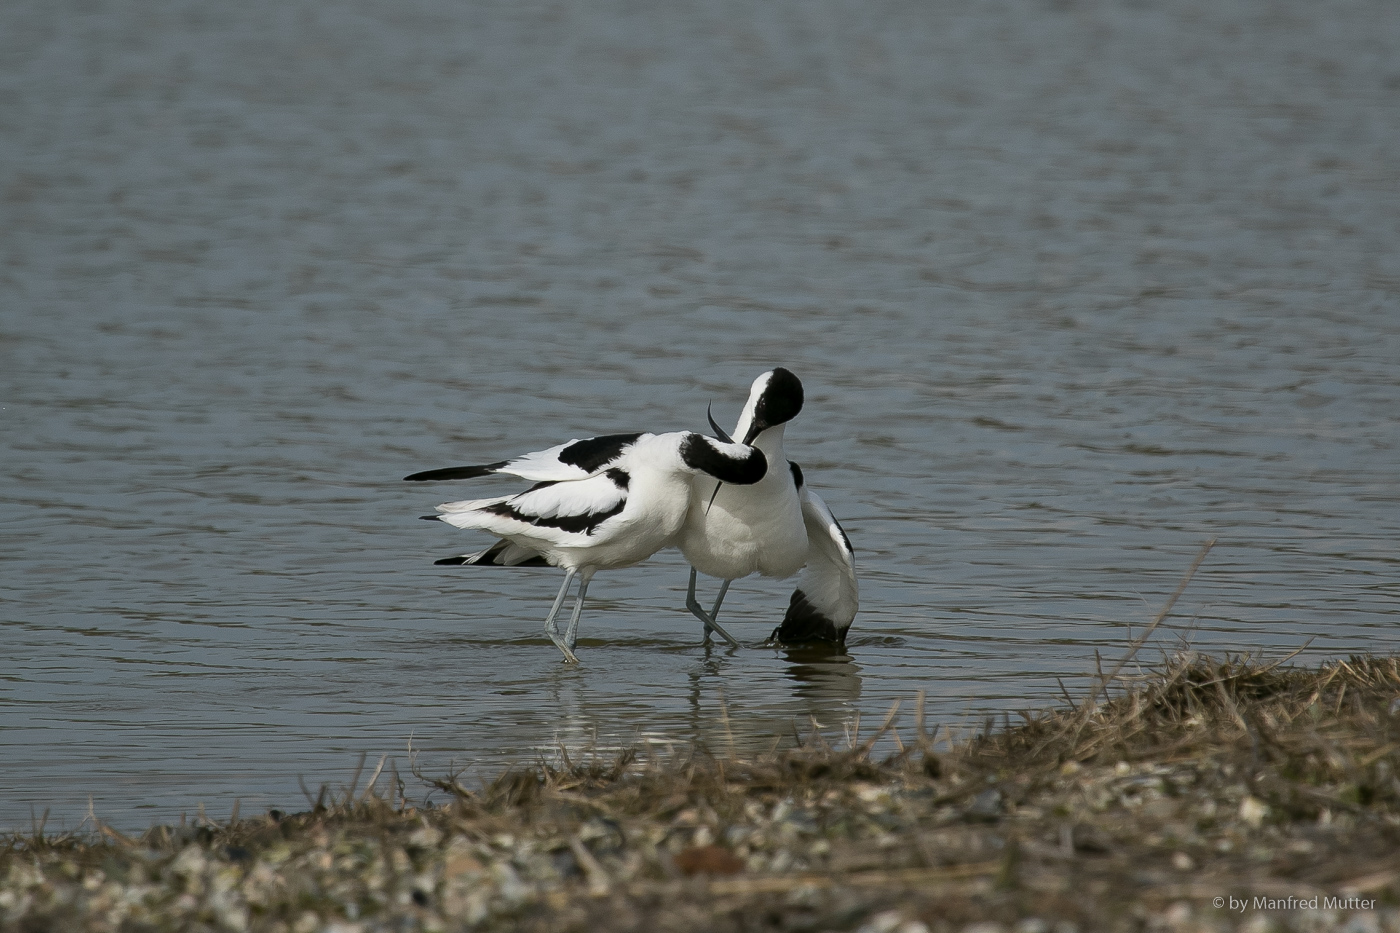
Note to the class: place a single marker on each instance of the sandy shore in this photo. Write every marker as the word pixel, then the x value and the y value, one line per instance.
pixel 1215 795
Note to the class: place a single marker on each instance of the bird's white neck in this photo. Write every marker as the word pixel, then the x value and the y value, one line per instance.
pixel 771 443
pixel 741 429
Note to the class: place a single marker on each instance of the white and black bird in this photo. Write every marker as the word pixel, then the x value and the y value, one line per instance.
pixel 597 504
pixel 774 527
pixel 827 596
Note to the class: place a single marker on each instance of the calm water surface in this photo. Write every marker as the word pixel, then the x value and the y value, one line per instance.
pixel 1073 287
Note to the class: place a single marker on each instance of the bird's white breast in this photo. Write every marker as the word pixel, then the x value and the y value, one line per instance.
pixel 748 529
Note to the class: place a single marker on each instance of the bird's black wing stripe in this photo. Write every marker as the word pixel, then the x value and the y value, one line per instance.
pixel 595 452
pixel 847 541
pixel 461 472
pixel 699 453
pixel 586 523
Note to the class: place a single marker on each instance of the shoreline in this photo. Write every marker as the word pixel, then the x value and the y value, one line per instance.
pixel 1208 794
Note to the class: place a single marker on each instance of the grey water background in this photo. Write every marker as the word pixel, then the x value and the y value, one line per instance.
pixel 1073 287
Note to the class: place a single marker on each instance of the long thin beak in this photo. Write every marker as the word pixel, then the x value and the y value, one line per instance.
pixel 707 505
pixel 719 431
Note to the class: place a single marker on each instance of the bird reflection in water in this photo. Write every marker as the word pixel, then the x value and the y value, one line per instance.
pixel 824 673
pixel 824 687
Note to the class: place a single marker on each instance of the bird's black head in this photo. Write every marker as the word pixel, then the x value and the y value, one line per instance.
pixel 778 403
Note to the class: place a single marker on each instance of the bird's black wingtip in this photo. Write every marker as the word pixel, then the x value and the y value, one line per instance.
pixel 461 472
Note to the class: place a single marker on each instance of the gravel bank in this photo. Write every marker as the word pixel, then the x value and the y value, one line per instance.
pixel 1208 795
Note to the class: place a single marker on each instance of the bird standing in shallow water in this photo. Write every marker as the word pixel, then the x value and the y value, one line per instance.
pixel 773 527
pixel 827 596
pixel 597 504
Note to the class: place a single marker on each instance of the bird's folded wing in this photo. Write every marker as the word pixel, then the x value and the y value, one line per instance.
pixel 596 495
pixel 552 509
pixel 573 460
pixel 825 532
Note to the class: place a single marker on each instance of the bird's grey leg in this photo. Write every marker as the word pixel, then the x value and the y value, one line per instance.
pixel 549 627
pixel 698 611
pixel 571 634
pixel 714 617
pixel 693 604
pixel 714 613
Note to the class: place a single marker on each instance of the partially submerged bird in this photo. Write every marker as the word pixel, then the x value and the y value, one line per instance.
pixel 827 596
pixel 773 527
pixel 597 504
